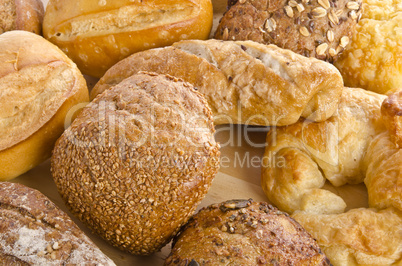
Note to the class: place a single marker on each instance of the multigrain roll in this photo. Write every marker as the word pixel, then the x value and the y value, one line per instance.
pixel 21 15
pixel 244 232
pixel 316 28
pixel 137 160
pixel 39 85
pixel 34 231
pixel 96 34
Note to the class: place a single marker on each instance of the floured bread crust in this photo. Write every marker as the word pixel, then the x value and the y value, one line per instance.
pixel 244 82
pixel 34 231
pixel 38 87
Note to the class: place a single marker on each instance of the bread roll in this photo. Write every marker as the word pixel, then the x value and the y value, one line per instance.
pixel 357 237
pixel 38 87
pixel 21 15
pixel 243 232
pixel 317 28
pixel 373 61
pixel 137 161
pixel 96 34
pixel 243 82
pixel 34 231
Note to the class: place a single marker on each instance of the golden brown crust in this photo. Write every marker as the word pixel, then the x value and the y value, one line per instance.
pixel 357 237
pixel 21 15
pixel 137 160
pixel 371 64
pixel 39 86
pixel 307 153
pixel 98 34
pixel 244 82
pixel 391 111
pixel 243 232
pixel 317 28
pixel 34 231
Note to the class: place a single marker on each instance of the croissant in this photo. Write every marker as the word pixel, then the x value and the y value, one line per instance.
pixel 361 143
pixel 308 153
pixel 243 82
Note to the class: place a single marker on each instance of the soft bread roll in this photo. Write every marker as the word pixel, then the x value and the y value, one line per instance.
pixel 307 153
pixel 21 15
pixel 34 231
pixel 243 82
pixel 96 34
pixel 321 29
pixel 357 237
pixel 137 161
pixel 373 60
pixel 244 232
pixel 38 87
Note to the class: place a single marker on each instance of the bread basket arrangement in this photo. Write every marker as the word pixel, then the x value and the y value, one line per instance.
pixel 191 132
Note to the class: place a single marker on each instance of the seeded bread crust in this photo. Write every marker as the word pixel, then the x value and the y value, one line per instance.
pixel 316 28
pixel 34 231
pixel 243 82
pixel 137 161
pixel 21 15
pixel 243 232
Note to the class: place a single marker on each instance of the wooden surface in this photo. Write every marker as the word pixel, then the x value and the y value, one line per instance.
pixel 238 178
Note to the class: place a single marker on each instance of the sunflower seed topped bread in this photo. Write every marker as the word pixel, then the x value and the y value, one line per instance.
pixel 317 28
pixel 39 85
pixel 243 82
pixel 244 232
pixel 96 34
pixel 136 162
pixel 21 15
pixel 34 231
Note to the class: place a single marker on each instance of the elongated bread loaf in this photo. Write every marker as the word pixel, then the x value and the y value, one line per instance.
pixel 244 82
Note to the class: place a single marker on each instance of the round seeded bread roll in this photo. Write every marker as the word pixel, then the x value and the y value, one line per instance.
pixel 34 231
pixel 316 28
pixel 243 232
pixel 96 34
pixel 38 87
pixel 21 15
pixel 137 160
pixel 373 61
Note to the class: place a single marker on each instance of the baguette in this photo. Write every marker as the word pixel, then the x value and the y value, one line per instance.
pixel 243 82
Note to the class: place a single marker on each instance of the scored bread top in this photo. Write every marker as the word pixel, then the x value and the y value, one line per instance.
pixel 36 78
pixel 243 82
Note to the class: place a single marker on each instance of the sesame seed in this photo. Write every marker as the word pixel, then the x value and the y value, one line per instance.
pixel 330 35
pixel 304 31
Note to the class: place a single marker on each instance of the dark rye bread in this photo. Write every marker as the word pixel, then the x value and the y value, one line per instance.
pixel 244 232
pixel 34 231
pixel 316 28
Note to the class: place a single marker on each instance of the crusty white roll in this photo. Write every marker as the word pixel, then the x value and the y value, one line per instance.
pixel 243 82
pixel 39 84
pixel 96 34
